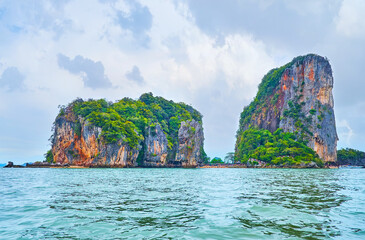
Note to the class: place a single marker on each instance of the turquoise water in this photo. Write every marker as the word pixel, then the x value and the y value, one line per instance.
pixel 182 204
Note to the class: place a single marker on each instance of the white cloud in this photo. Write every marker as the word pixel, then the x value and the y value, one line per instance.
pixel 181 62
pixel 217 74
pixel 345 132
pixel 350 20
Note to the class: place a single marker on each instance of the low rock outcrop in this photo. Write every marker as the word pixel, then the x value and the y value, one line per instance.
pixel 12 165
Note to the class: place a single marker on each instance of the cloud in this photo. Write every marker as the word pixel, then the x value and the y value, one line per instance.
pixel 135 75
pixel 92 73
pixel 211 54
pixel 345 132
pixel 30 17
pixel 12 79
pixel 350 21
pixel 267 20
pixel 138 20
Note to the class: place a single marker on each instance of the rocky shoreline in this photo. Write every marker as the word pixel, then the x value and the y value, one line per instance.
pixel 236 165
pixel 268 166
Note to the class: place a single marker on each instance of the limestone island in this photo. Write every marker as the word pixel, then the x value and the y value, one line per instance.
pixel 290 123
pixel 148 132
pixel 291 120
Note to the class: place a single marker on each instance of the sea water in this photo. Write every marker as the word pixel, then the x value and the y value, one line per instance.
pixel 182 203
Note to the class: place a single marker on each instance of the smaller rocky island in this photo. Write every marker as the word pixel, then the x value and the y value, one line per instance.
pixel 350 157
pixel 12 165
pixel 148 132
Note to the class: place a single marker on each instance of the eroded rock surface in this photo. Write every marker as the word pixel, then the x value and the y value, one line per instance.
pixel 78 142
pixel 300 101
pixel 190 143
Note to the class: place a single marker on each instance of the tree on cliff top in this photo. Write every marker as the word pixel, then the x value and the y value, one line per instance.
pixel 216 160
pixel 128 119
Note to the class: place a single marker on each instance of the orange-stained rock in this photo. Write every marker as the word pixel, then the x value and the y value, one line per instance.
pixel 88 149
pixel 311 74
pixel 312 89
pixel 285 77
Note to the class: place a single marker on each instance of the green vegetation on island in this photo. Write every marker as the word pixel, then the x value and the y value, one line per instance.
pixel 268 86
pixel 49 156
pixel 128 119
pixel 278 148
pixel 229 158
pixel 216 160
pixel 259 137
pixel 350 156
pixel 268 95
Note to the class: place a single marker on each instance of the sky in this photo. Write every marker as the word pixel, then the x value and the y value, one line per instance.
pixel 211 54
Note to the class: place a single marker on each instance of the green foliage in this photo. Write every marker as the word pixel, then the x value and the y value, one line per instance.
pixel 216 160
pixel 49 156
pixel 274 100
pixel 268 93
pixel 141 156
pixel 278 148
pixel 62 110
pixel 128 119
pixel 192 130
pixel 73 153
pixel 268 86
pixel 301 122
pixel 153 129
pixel 204 156
pixel 349 154
pixel 312 111
pixel 77 128
pixel 229 158
pixel 294 111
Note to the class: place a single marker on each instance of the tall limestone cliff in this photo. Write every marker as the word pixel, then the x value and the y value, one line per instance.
pixel 297 98
pixel 149 132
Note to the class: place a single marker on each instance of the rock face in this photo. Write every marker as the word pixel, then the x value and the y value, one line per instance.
pixel 352 162
pixel 87 149
pixel 190 143
pixel 186 154
pixel 9 165
pixel 297 98
pixel 78 142
pixel 156 145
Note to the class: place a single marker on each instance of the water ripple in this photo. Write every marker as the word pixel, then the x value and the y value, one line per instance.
pixel 182 204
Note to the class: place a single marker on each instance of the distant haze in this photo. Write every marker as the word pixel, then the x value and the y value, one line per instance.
pixel 211 54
